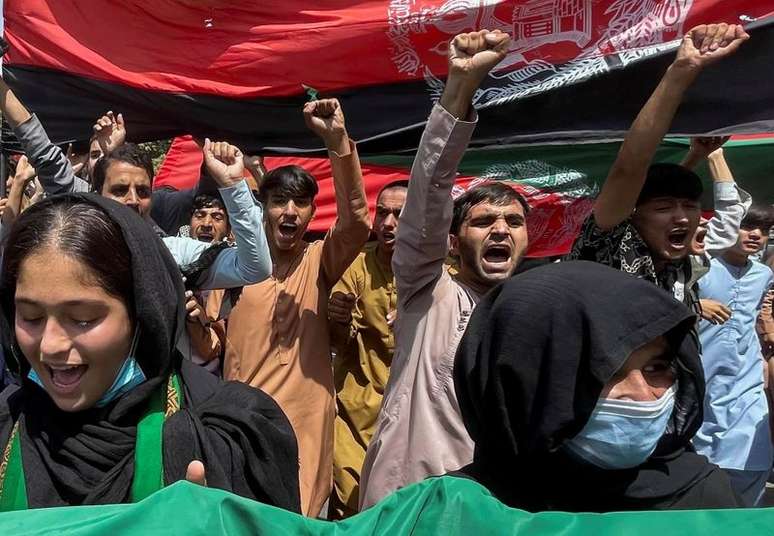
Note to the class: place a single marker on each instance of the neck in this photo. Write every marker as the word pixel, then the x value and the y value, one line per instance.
pixel 735 258
pixel 384 256
pixel 473 283
pixel 281 257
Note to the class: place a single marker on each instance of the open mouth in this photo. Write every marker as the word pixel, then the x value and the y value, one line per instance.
pixel 751 244
pixel 497 255
pixel 388 237
pixel 288 230
pixel 205 237
pixel 677 238
pixel 66 378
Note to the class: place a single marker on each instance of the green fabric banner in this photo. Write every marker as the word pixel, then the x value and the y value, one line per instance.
pixel 445 506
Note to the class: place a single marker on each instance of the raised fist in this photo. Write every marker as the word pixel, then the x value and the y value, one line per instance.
pixel 472 55
pixel 224 162
pixel 326 119
pixel 704 146
pixel 708 43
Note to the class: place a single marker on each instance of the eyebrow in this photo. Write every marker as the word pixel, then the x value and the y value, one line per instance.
pixel 69 303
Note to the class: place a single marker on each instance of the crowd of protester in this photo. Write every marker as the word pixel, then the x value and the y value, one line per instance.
pixel 151 336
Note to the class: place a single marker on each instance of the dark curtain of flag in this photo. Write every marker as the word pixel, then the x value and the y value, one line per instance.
pixel 732 96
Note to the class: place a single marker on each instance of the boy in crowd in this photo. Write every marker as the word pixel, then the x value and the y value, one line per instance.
pixel 735 434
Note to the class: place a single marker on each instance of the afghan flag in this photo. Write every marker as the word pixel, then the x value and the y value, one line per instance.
pixel 240 71
pixel 559 182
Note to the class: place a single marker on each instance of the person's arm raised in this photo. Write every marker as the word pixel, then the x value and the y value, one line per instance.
pixel 422 243
pixel 250 262
pixel 701 46
pixel 350 231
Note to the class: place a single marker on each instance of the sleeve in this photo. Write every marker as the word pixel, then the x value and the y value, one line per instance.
pixel 765 322
pixel 171 209
pixel 352 227
pixel 350 283
pixel 598 245
pixel 53 169
pixel 248 263
pixel 731 205
pixel 423 234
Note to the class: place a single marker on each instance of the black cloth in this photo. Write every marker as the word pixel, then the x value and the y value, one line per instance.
pixel 528 373
pixel 171 209
pixel 241 435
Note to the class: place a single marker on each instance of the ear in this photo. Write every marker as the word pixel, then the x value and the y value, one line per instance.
pixel 314 208
pixel 454 245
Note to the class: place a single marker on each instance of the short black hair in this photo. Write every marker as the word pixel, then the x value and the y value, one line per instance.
pixel 208 200
pixel 394 184
pixel 760 216
pixel 129 153
pixel 670 180
pixel 293 181
pixel 495 193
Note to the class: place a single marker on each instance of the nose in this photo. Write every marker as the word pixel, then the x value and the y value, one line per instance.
pixel 132 199
pixel 390 221
pixel 634 386
pixel 680 214
pixel 499 227
pixel 54 340
pixel 290 209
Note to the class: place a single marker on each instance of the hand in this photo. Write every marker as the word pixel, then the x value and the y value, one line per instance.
pixel 195 473
pixel 39 194
pixel 3 204
pixel 705 44
pixel 702 147
pixel 224 162
pixel 391 316
pixel 110 132
pixel 254 164
pixel 76 161
pixel 767 345
pixel 340 307
pixel 194 310
pixel 326 119
pixel 24 172
pixel 714 312
pixel 471 57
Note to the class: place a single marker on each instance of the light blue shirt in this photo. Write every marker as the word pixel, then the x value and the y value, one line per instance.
pixel 247 263
pixel 735 433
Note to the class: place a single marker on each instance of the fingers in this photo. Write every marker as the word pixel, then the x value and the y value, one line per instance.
pixel 120 121
pixel 321 108
pixel 195 473
pixel 222 151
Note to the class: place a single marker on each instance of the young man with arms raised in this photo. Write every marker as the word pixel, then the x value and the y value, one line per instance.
pixel 277 338
pixel 419 432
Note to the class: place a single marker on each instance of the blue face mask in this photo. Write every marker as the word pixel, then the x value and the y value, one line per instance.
pixel 623 433
pixel 129 376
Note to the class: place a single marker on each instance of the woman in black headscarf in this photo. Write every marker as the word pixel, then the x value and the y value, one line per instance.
pixel 107 411
pixel 582 388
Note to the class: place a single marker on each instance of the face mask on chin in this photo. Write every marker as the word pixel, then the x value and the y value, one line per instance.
pixel 129 376
pixel 621 434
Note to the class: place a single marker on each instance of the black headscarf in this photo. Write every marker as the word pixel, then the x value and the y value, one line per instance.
pixel 528 373
pixel 241 435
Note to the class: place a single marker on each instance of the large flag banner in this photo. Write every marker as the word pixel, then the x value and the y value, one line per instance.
pixel 241 70
pixel 447 505
pixel 559 182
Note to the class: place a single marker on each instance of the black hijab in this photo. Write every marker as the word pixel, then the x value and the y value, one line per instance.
pixel 240 434
pixel 528 373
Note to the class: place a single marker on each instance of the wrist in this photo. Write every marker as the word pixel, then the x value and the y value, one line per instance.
pixel 681 75
pixel 337 143
pixel 457 97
